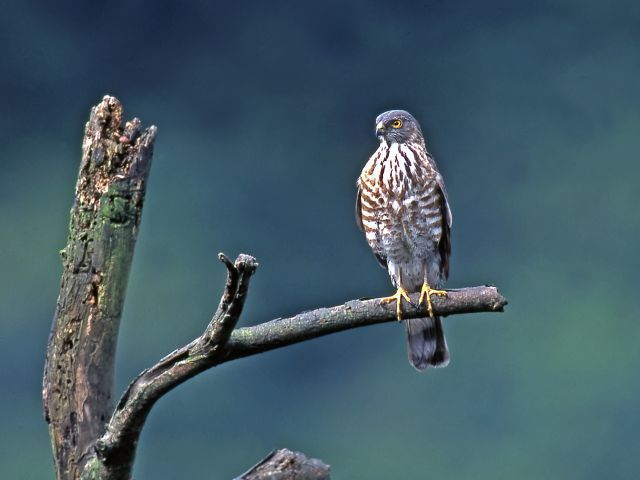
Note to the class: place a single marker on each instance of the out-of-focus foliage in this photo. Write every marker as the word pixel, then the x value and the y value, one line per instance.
pixel 265 113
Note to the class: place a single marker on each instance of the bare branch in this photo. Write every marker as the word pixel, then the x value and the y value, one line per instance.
pixel 284 464
pixel 231 303
pixel 219 344
pixel 356 313
pixel 116 448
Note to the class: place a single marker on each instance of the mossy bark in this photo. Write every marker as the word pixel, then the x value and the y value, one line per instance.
pixel 105 217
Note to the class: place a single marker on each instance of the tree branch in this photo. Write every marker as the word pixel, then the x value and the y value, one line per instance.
pixel 283 464
pixel 219 344
pixel 116 448
pixel 353 314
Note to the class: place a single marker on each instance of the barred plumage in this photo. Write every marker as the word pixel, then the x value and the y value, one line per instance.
pixel 403 209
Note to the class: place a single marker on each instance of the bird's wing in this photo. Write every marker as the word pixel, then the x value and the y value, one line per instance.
pixel 381 260
pixel 359 209
pixel 445 239
pixel 446 208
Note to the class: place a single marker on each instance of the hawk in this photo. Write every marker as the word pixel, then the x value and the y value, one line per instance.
pixel 403 209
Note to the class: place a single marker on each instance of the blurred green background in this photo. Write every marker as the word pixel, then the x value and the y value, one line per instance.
pixel 265 113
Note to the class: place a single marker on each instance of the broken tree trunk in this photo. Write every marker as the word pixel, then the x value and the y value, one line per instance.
pixel 78 379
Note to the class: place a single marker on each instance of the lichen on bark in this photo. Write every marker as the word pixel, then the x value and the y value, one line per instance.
pixel 106 212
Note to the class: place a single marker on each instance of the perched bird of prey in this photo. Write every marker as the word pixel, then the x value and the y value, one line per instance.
pixel 403 209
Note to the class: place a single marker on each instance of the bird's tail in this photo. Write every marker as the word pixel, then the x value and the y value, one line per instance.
pixel 426 342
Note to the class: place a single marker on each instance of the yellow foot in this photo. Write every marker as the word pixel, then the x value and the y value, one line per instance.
pixel 426 292
pixel 397 297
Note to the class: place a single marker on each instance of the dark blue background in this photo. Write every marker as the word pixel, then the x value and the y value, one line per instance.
pixel 265 113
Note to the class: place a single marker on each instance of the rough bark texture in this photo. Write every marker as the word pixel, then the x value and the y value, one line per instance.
pixel 115 450
pixel 93 440
pixel 78 378
pixel 284 464
pixel 353 314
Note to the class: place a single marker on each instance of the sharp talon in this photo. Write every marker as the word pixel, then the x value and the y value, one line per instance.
pixel 426 292
pixel 405 295
pixel 397 297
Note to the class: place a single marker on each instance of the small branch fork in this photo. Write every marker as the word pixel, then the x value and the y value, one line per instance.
pixel 219 343
pixel 116 448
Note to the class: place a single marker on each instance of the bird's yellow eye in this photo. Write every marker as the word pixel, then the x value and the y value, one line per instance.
pixel 397 123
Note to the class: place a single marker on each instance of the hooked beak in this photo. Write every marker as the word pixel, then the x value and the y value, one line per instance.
pixel 379 129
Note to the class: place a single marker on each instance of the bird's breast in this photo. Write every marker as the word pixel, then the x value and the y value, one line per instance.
pixel 395 176
pixel 399 197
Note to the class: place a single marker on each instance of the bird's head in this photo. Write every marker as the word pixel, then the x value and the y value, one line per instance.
pixel 398 126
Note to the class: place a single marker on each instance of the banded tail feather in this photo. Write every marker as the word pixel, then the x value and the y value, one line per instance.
pixel 426 343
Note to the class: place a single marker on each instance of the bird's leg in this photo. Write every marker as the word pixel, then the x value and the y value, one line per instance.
pixel 397 297
pixel 426 291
